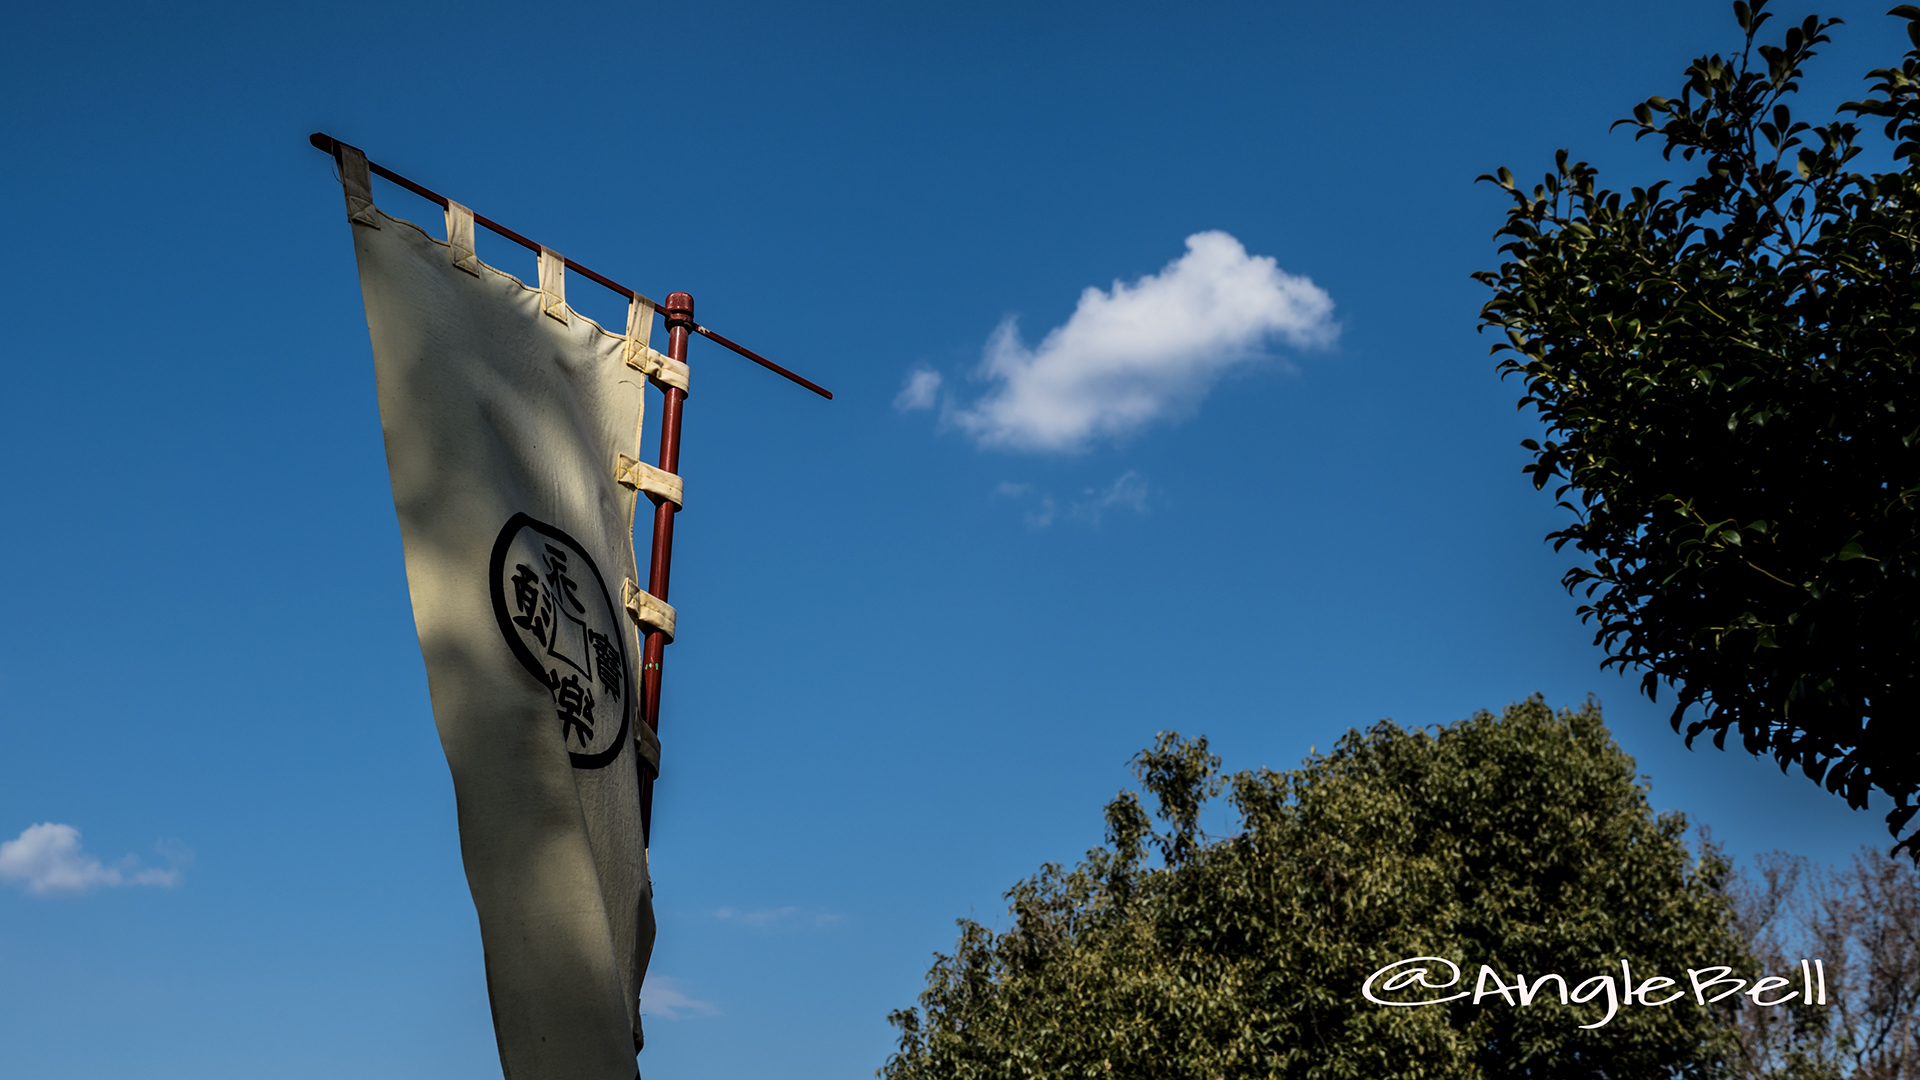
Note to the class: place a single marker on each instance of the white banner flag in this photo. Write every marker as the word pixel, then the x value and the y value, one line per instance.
pixel 512 425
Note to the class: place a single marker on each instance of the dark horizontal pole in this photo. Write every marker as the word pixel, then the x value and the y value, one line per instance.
pixel 326 144
pixel 764 362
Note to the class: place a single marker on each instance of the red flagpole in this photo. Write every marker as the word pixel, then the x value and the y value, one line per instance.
pixel 679 316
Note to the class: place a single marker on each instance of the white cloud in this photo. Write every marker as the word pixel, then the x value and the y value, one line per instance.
pixel 776 917
pixel 663 997
pixel 46 860
pixel 923 386
pixel 756 918
pixel 1128 491
pixel 1143 352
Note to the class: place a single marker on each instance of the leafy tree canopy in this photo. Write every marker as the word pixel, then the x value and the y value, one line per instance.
pixel 1523 841
pixel 1726 371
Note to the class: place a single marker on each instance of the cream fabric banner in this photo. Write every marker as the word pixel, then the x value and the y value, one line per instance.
pixel 505 420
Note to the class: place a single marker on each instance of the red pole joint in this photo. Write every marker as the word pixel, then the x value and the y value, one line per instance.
pixel 678 311
pixel 680 325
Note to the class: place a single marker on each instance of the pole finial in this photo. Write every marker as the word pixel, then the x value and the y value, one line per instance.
pixel 678 309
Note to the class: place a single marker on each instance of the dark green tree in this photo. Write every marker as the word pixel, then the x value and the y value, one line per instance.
pixel 1726 371
pixel 1524 842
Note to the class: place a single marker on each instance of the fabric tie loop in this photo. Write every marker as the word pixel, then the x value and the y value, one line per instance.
pixel 460 239
pixel 639 323
pixel 657 483
pixel 358 182
pixel 640 356
pixel 646 609
pixel 659 367
pixel 553 285
pixel 648 746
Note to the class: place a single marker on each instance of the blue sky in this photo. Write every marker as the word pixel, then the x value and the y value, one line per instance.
pixel 917 645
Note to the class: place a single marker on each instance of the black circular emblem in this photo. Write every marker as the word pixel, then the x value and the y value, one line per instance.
pixel 563 624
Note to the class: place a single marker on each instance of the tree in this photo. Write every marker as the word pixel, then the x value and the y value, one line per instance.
pixel 1523 842
pixel 1862 921
pixel 1727 377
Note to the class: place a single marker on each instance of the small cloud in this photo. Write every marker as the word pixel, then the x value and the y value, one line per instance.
pixel 1042 516
pixel 1144 352
pixel 664 997
pixel 755 918
pixel 923 386
pixel 1128 491
pixel 46 860
pixel 781 917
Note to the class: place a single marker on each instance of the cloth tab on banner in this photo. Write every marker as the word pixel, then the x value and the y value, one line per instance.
pixel 358 182
pixel 662 369
pixel 460 239
pixel 553 284
pixel 639 323
pixel 648 746
pixel 657 483
pixel 647 609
